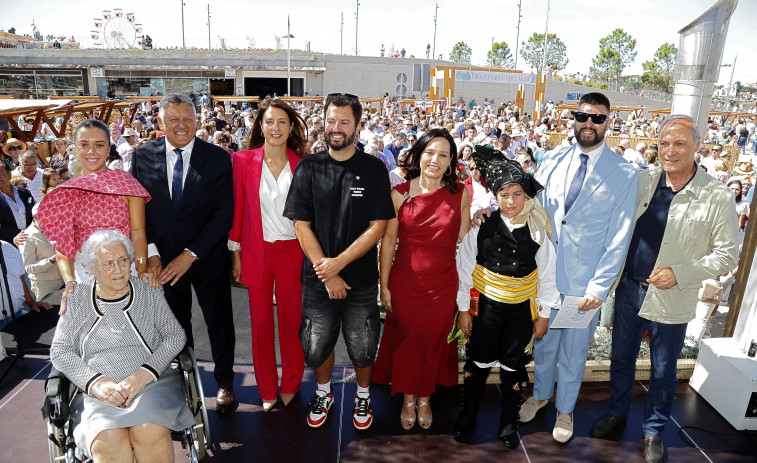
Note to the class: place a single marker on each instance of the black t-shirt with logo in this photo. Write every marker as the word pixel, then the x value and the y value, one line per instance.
pixel 339 199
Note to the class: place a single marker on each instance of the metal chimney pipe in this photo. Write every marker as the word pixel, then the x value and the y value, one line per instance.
pixel 700 51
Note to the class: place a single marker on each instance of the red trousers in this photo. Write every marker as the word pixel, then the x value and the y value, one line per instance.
pixel 282 265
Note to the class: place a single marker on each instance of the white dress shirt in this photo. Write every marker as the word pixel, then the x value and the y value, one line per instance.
pixel 575 163
pixel 547 295
pixel 186 154
pixel 16 204
pixel 273 195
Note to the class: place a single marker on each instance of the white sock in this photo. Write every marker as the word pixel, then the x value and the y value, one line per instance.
pixel 364 391
pixel 325 387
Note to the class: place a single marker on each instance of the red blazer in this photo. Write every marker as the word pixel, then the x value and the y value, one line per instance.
pixel 247 228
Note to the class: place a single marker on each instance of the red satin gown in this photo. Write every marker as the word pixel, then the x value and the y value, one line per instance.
pixel 414 354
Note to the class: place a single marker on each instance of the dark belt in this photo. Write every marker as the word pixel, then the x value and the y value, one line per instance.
pixel 641 284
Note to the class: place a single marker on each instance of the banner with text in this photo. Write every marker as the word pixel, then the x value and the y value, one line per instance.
pixel 516 78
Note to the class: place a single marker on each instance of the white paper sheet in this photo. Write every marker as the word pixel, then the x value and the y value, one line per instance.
pixel 570 317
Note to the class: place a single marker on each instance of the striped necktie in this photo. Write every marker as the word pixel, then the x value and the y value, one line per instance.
pixel 176 185
pixel 576 183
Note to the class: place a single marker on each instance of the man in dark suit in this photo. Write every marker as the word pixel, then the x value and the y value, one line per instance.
pixel 188 220
pixel 16 205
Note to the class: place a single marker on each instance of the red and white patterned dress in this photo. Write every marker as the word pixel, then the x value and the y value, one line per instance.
pixel 74 210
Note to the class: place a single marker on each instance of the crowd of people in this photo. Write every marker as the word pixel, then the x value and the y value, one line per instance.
pixel 464 221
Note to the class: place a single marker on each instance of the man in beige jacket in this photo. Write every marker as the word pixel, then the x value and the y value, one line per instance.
pixel 39 260
pixel 685 232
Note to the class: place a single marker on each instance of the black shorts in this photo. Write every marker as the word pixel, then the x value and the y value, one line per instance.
pixel 358 315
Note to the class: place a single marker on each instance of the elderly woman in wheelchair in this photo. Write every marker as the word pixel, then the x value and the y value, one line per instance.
pixel 115 343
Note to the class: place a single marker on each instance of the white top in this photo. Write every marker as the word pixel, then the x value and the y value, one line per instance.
pixel 575 163
pixel 16 205
pixel 635 158
pixel 481 198
pixel 742 207
pixel 547 295
pixel 273 195
pixel 33 185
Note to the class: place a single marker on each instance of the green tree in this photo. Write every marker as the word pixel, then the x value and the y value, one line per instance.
pixel 658 73
pixel 616 52
pixel 500 56
pixel 604 66
pixel 460 53
pixel 533 54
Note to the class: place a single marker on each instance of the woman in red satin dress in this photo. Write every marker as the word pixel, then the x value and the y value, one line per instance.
pixel 419 288
pixel 266 250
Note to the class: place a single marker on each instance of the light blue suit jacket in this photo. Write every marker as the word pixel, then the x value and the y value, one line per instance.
pixel 592 238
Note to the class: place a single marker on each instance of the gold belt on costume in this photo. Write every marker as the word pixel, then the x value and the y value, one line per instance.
pixel 509 290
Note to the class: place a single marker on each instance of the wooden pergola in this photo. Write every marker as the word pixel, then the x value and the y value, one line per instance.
pixel 435 104
pixel 11 109
pixel 251 99
pixel 87 107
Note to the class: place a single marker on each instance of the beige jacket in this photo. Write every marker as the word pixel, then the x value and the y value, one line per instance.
pixel 37 251
pixel 700 242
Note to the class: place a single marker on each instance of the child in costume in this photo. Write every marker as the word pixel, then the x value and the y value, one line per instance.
pixel 510 260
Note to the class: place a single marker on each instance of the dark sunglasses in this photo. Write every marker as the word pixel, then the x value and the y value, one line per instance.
pixel 595 118
pixel 349 96
pixel 15 148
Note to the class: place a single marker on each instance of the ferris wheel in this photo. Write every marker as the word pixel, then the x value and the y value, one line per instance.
pixel 116 29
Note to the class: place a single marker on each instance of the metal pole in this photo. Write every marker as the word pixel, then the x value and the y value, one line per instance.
pixel 546 33
pixel 517 36
pixel 209 26
pixel 436 13
pixel 341 36
pixel 183 43
pixel 730 82
pixel 357 11
pixel 289 36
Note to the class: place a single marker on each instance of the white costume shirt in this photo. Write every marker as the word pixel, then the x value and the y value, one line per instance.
pixel 547 295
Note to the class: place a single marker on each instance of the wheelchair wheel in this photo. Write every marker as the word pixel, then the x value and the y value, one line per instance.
pixel 198 436
pixel 57 454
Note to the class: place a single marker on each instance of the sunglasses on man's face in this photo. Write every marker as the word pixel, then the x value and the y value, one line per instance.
pixel 595 118
pixel 15 148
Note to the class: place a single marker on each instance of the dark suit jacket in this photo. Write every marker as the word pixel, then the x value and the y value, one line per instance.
pixel 205 213
pixel 8 227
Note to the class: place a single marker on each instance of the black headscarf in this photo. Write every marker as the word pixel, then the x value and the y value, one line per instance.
pixel 499 171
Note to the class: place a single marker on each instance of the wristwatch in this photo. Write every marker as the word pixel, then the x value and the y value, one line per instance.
pixel 192 253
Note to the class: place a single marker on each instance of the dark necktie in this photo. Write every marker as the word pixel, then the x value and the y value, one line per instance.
pixel 178 173
pixel 576 183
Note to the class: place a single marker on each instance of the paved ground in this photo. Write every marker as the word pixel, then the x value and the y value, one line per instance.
pixel 281 436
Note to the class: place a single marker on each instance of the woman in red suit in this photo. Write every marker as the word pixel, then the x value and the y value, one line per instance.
pixel 419 289
pixel 265 247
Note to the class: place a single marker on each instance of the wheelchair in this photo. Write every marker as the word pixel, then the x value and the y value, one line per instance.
pixel 59 391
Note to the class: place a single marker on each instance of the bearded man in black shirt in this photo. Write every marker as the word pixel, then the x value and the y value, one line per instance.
pixel 340 203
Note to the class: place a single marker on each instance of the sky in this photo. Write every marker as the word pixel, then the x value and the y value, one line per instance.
pixel 580 24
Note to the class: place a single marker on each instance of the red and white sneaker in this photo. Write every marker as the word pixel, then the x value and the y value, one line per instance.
pixel 319 407
pixel 362 417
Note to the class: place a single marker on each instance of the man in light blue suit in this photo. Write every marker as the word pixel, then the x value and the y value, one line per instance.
pixel 590 196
